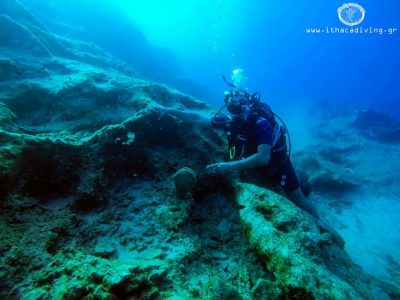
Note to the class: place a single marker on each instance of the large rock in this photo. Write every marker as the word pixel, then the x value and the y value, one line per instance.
pixel 19 38
pixel 7 119
pixel 377 126
pixel 15 10
pixel 306 263
pixel 23 36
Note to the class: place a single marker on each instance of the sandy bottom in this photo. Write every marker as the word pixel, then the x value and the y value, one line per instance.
pixel 371 229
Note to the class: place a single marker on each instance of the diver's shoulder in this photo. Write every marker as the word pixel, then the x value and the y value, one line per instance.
pixel 262 122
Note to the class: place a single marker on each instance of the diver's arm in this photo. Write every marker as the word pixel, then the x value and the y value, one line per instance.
pixel 194 117
pixel 261 158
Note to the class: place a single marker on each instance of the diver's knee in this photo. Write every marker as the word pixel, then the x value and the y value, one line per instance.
pixel 298 198
pixel 297 195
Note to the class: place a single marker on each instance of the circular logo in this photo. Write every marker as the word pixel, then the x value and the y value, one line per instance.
pixel 351 14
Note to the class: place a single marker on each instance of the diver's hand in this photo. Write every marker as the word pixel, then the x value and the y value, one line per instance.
pixel 190 116
pixel 219 167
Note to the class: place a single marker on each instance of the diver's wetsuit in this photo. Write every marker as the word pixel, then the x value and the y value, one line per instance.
pixel 247 135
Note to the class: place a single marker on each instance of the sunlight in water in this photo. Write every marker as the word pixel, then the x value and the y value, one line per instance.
pixel 184 25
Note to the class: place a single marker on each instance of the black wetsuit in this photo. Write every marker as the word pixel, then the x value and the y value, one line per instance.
pixel 246 136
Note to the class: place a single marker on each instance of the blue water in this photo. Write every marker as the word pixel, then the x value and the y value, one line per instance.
pixel 189 44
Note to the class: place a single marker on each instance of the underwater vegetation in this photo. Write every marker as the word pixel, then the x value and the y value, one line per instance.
pixel 88 208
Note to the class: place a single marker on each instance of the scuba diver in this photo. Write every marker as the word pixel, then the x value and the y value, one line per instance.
pixel 257 142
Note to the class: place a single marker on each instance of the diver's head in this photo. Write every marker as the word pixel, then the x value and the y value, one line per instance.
pixel 237 101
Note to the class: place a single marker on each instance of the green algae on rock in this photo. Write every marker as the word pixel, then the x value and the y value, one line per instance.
pixel 289 242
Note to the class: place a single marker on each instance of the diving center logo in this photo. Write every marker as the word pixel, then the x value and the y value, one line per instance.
pixel 351 14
